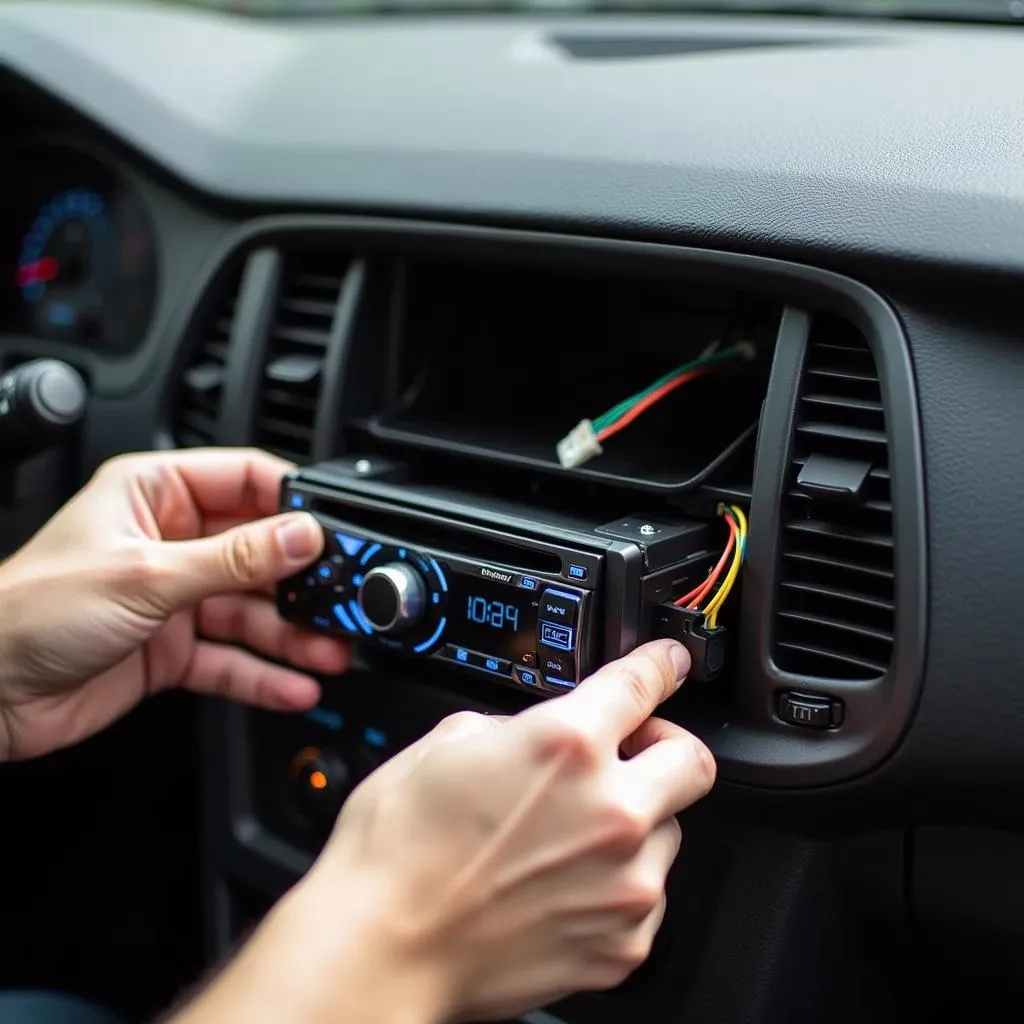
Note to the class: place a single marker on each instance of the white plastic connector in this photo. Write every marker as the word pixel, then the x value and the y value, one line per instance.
pixel 580 445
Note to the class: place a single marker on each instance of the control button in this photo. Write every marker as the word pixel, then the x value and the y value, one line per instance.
pixel 559 685
pixel 810 710
pixel 530 659
pixel 552 663
pixel 553 634
pixel 528 583
pixel 392 597
pixel 560 606
pixel 491 664
pixel 296 501
pixel 375 738
pixel 459 654
pixel 325 572
pixel 320 781
pixel 350 545
pixel 578 572
pixel 343 616
pixel 526 676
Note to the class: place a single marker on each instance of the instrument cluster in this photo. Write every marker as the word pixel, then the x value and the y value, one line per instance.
pixel 78 253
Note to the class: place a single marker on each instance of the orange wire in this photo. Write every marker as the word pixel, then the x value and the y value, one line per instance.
pixel 644 404
pixel 699 593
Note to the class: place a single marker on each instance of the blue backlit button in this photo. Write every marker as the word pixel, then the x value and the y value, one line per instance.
pixel 349 544
pixel 577 572
pixel 553 663
pixel 559 685
pixel 296 501
pixel 325 572
pixel 560 606
pixel 526 676
pixel 453 653
pixel 489 663
pixel 528 583
pixel 554 634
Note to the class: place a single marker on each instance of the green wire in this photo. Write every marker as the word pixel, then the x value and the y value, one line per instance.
pixel 618 411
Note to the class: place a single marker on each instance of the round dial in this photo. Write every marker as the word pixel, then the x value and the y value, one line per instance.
pixel 392 597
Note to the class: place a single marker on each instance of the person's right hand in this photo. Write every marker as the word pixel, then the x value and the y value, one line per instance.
pixel 498 864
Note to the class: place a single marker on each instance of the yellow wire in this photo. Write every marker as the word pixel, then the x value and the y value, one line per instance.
pixel 711 611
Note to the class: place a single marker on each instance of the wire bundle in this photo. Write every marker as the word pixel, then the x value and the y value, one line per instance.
pixel 733 556
pixel 621 415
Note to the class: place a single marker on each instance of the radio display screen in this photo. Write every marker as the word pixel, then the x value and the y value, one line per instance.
pixel 491 617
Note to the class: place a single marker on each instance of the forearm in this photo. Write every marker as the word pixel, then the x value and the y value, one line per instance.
pixel 304 967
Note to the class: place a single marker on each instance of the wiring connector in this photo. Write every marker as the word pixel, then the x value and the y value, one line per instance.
pixel 580 445
pixel 706 647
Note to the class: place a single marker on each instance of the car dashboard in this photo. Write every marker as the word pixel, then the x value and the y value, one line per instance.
pixel 417 251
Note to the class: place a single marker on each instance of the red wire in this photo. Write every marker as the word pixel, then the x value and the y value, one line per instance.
pixel 695 596
pixel 644 404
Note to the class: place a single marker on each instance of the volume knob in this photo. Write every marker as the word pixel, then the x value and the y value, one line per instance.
pixel 392 597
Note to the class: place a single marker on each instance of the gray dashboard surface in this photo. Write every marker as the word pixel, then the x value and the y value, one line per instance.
pixel 847 138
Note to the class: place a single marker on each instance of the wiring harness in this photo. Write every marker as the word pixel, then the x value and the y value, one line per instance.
pixel 706 598
pixel 584 441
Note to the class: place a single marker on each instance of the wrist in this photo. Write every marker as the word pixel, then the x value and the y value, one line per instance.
pixel 323 956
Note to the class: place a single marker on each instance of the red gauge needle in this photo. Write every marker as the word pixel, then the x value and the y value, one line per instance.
pixel 41 271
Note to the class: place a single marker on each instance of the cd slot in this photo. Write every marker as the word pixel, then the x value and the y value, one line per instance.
pixel 454 539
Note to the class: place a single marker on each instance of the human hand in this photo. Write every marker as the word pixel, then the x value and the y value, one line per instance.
pixel 491 868
pixel 142 582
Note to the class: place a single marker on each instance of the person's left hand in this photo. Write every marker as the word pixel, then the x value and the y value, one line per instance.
pixel 143 582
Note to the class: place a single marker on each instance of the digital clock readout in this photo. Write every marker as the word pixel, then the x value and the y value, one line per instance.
pixel 491 617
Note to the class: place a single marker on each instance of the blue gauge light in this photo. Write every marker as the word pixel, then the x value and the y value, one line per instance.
pixel 63 248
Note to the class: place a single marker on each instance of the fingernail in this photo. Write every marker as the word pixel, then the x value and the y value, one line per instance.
pixel 680 662
pixel 300 537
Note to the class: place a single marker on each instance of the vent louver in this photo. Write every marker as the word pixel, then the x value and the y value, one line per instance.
pixel 196 413
pixel 835 616
pixel 296 353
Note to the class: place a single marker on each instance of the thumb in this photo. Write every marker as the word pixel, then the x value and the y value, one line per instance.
pixel 246 557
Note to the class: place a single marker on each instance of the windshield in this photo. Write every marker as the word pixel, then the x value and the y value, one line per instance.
pixel 1008 11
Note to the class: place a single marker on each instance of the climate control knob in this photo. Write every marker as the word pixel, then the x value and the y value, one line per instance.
pixel 392 597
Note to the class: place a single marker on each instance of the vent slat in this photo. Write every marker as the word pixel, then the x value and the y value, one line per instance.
pixel 296 351
pixel 836 602
pixel 197 408
pixel 836 662
pixel 300 336
pixel 812 590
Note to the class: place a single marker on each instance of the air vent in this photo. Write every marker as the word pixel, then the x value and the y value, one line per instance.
pixel 296 353
pixel 835 612
pixel 196 412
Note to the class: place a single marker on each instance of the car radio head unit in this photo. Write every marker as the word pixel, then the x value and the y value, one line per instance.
pixel 529 603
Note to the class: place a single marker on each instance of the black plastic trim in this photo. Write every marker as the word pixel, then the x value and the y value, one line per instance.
pixel 257 302
pixel 878 712
pixel 339 344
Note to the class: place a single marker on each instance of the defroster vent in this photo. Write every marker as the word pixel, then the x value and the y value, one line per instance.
pixel 297 351
pixel 197 408
pixel 835 612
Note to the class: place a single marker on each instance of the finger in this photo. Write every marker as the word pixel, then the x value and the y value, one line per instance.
pixel 243 559
pixel 667 776
pixel 252 620
pixel 222 671
pixel 212 481
pixel 649 869
pixel 617 699
pixel 654 730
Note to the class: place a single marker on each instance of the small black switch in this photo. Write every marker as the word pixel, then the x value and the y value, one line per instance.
pixel 810 710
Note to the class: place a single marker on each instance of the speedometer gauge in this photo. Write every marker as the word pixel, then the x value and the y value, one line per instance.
pixel 65 262
pixel 85 270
